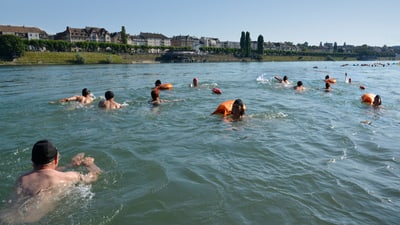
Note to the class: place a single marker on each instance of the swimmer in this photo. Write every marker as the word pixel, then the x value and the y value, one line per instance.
pixel 37 191
pixel 161 86
pixel 330 80
pixel 155 96
pixel 233 108
pixel 299 86
pixel 86 97
pixel 371 99
pixel 109 102
pixel 284 80
pixel 195 82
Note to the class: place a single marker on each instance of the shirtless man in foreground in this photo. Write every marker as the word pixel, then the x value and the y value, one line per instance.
pixel 37 191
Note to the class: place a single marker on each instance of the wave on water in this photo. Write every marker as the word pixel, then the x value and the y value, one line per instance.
pixel 263 78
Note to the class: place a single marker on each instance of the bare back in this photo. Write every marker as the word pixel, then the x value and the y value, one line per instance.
pixel 109 104
pixel 38 181
pixel 37 193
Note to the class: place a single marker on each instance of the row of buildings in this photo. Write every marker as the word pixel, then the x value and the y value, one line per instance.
pixel 95 34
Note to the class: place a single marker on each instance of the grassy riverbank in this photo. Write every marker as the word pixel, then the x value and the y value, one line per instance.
pixel 66 58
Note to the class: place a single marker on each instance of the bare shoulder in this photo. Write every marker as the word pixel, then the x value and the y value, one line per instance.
pixel 69 177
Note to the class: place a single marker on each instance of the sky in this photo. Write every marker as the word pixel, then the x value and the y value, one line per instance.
pixel 354 22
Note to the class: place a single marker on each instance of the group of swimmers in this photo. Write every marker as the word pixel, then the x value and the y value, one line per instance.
pixel 368 98
pixel 47 177
pixel 87 98
pixel 235 109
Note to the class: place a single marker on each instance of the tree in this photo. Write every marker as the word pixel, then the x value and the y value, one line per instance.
pixel 260 44
pixel 247 44
pixel 124 38
pixel 365 52
pixel 11 47
pixel 335 48
pixel 242 43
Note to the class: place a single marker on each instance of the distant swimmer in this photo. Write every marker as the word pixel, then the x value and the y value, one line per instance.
pixel 86 97
pixel 109 102
pixel 371 99
pixel 347 80
pixel 330 80
pixel 155 96
pixel 195 82
pixel 161 86
pixel 233 108
pixel 283 80
pixel 299 86
pixel 37 192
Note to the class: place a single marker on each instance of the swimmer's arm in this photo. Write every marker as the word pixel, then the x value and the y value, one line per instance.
pixel 278 78
pixel 73 98
pixel 93 170
pixel 75 161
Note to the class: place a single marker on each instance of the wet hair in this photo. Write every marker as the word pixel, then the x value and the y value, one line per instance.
pixel 238 103
pixel 377 100
pixel 326 77
pixel 285 78
pixel 85 92
pixel 299 83
pixel 157 83
pixel 43 152
pixel 109 95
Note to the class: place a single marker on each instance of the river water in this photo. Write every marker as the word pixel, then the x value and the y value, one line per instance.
pixel 296 158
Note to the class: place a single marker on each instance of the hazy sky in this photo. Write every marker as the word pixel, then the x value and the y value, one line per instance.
pixel 354 22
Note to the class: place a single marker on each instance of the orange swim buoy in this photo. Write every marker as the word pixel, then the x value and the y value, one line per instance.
pixel 165 86
pixel 217 91
pixel 331 80
pixel 225 108
pixel 368 98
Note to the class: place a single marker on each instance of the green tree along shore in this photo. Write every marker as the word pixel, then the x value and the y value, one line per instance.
pixel 14 51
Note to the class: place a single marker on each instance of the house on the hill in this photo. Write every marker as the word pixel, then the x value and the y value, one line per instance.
pixel 93 34
pixel 185 41
pixel 29 33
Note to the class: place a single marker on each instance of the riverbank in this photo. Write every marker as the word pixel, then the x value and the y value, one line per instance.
pixel 69 58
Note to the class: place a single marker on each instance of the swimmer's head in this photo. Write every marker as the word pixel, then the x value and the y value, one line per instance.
pixel 326 77
pixel 285 78
pixel 43 152
pixel 157 83
pixel 195 81
pixel 299 83
pixel 377 100
pixel 85 92
pixel 109 95
pixel 238 107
